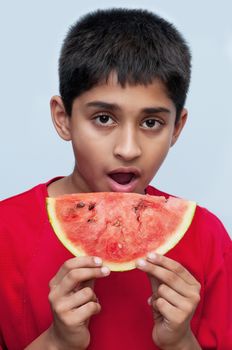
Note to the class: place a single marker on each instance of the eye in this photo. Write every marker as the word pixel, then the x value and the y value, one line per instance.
pixel 152 124
pixel 103 119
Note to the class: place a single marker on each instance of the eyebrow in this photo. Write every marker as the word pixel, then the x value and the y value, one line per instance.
pixel 115 107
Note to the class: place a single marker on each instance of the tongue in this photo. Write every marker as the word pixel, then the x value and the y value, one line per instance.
pixel 122 178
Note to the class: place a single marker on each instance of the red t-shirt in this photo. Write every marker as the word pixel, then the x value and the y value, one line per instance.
pixel 31 255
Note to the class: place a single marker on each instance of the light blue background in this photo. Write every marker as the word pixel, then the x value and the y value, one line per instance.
pixel 199 166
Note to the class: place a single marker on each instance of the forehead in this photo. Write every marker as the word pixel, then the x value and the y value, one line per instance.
pixel 128 97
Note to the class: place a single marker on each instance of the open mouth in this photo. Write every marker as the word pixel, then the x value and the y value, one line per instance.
pixel 122 178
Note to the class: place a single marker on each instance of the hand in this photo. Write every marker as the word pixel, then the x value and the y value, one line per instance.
pixel 73 302
pixel 176 294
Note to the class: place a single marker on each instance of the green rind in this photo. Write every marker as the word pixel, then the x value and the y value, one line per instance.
pixel 180 230
pixel 125 266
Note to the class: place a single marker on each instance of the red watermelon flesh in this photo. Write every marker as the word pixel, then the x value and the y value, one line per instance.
pixel 119 227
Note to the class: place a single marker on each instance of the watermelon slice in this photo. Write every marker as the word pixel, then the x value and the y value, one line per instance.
pixel 119 227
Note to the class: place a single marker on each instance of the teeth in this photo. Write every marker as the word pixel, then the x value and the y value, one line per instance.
pixel 122 178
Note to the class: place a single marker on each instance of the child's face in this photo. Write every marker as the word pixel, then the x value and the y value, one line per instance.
pixel 120 136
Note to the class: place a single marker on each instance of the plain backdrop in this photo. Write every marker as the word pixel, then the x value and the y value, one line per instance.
pixel 198 167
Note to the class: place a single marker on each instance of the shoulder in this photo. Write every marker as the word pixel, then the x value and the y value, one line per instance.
pixel 23 220
pixel 206 226
pixel 22 204
pixel 21 197
pixel 213 236
pixel 30 203
pixel 22 217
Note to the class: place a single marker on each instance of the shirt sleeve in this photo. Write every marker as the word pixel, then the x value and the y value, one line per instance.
pixel 216 323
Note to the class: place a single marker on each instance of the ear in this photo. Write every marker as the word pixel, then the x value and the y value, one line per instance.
pixel 60 118
pixel 179 126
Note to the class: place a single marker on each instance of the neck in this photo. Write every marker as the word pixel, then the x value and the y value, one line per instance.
pixel 72 183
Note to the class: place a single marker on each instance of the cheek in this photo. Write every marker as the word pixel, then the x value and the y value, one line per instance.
pixel 156 152
pixel 89 150
pixel 83 152
pixel 158 148
pixel 82 140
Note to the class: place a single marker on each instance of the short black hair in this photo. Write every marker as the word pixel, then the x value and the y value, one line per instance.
pixel 138 45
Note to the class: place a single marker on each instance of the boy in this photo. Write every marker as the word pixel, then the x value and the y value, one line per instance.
pixel 124 76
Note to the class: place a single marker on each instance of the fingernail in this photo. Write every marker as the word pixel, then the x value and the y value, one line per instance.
pixel 105 270
pixel 97 260
pixel 141 262
pixel 149 300
pixel 151 256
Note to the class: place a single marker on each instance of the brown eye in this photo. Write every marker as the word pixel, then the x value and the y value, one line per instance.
pixel 103 119
pixel 151 124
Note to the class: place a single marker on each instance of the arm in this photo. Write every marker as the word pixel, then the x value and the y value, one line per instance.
pixel 44 341
pixel 176 294
pixel 73 302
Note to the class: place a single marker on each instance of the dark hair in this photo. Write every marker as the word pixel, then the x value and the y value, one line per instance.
pixel 137 45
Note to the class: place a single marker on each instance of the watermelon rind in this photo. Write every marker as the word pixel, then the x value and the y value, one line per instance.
pixel 180 230
pixel 122 266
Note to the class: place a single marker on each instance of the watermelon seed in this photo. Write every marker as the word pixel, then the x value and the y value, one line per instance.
pixel 117 223
pixel 136 212
pixel 91 206
pixel 80 205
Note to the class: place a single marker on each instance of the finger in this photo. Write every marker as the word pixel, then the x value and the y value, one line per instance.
pixel 152 302
pixel 155 283
pixel 173 266
pixel 75 300
pixel 89 283
pixel 165 276
pixel 83 313
pixel 74 263
pixel 185 304
pixel 169 312
pixel 77 276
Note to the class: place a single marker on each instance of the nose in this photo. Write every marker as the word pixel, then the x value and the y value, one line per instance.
pixel 127 145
